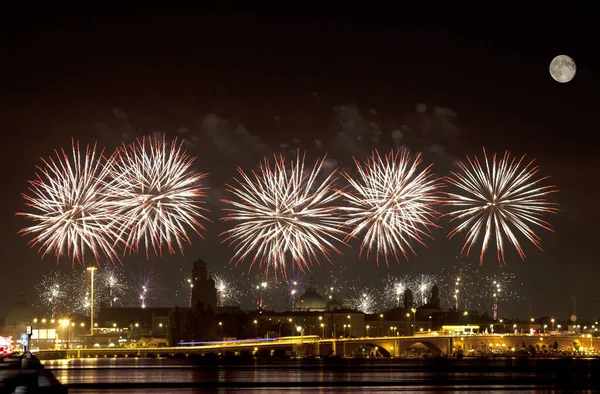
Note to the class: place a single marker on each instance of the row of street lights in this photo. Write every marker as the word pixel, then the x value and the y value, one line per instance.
pixel 293 327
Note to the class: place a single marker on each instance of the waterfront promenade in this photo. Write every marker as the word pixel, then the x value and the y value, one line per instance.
pixel 387 346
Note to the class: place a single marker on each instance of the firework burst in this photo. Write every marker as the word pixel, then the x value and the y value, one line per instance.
pixel 227 292
pixel 365 300
pixel 394 201
pixel 157 194
pixel 502 197
pixel 113 287
pixel 419 284
pixel 72 210
pixel 422 285
pixel 394 288
pixel 283 212
pixel 79 294
pixel 52 291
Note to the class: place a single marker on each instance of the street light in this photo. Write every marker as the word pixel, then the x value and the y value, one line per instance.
pixel 368 330
pixel 414 311
pixel 256 327
pixel 92 269
pixel 552 321
pixel 323 327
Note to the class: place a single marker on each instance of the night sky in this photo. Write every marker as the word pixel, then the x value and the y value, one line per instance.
pixel 241 86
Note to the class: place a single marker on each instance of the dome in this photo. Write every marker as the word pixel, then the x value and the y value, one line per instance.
pixel 19 314
pixel 310 301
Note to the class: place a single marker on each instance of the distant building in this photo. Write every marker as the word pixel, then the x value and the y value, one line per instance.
pixel 138 321
pixel 18 317
pixel 197 323
pixel 328 324
pixel 403 321
pixel 203 291
pixel 311 301
pixel 408 299
pixel 175 324
pixel 433 306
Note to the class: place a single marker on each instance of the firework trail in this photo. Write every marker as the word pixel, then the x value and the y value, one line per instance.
pixel 393 200
pixel 336 287
pixel 112 285
pixel 267 293
pixel 188 285
pixel 502 197
pixel 476 287
pixel 156 194
pixel 460 286
pixel 296 285
pixel 52 292
pixel 283 211
pixel 501 288
pixel 72 211
pixel 144 286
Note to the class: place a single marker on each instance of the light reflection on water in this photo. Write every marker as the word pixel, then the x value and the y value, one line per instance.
pixel 180 376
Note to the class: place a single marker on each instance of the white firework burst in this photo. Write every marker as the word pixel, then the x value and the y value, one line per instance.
pixel 283 213
pixel 227 292
pixel 112 285
pixel 52 292
pixel 156 194
pixel 393 200
pixel 72 211
pixel 501 198
pixel 365 300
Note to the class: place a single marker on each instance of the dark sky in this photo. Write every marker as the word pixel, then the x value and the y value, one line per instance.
pixel 293 77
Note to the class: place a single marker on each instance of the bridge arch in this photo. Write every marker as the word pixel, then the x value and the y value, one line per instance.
pixel 370 350
pixel 405 345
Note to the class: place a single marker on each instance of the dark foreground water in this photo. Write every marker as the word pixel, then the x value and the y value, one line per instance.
pixel 131 376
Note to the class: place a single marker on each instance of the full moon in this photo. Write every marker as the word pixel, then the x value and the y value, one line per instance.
pixel 562 68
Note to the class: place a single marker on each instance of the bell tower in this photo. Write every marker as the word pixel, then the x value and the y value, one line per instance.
pixel 204 286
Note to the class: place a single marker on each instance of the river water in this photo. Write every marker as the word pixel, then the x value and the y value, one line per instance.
pixel 140 375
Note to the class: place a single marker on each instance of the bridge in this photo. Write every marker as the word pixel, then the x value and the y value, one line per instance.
pixel 443 345
pixel 313 345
